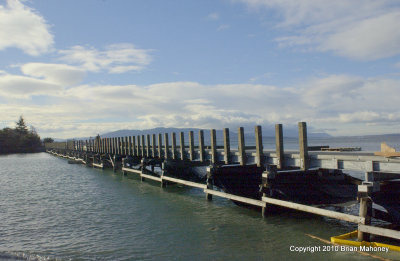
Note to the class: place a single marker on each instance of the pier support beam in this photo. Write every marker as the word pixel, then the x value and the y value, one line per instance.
pixel 227 146
pixel 210 183
pixel 364 192
pixel 304 162
pixel 280 164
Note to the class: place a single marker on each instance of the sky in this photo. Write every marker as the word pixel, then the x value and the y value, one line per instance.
pixel 77 68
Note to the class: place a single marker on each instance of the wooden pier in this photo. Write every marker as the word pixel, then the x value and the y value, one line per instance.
pixel 141 155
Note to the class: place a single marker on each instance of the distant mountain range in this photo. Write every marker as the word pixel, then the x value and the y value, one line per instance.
pixel 287 132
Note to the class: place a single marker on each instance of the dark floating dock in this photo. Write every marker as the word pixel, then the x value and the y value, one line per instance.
pixel 253 176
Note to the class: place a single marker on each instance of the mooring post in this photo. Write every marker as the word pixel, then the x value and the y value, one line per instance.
pixel 126 146
pixel 105 144
pixel 191 146
pixel 259 147
pixel 130 145
pixel 182 145
pixel 134 151
pixel 279 146
pixel 118 145
pixel 160 146
pixel 166 150
pixel 154 146
pixel 201 145
pixel 213 139
pixel 227 146
pixel 241 147
pixel 304 164
pixel 174 146
pixel 112 146
pixel 364 196
pixel 143 147
pixel 148 145
pixel 210 169
pixel 139 151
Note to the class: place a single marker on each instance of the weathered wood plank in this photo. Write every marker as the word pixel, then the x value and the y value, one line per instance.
pixel 314 210
pixel 185 182
pixel 132 170
pixel 379 231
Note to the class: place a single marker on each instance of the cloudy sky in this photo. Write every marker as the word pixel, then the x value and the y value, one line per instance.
pixel 78 68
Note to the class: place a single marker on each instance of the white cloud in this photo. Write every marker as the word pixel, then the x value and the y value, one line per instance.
pixel 22 27
pixel 116 58
pixel 213 16
pixel 326 102
pixel 21 87
pixel 358 29
pixel 223 27
pixel 61 74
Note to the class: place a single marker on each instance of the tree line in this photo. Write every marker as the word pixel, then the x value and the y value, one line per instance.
pixel 20 139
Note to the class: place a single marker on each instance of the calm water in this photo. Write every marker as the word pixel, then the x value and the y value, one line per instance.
pixel 51 210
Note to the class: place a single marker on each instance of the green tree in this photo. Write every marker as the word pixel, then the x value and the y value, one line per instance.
pixel 21 126
pixel 48 140
pixel 19 140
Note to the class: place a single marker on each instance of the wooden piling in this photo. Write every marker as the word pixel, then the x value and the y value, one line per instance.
pixel 125 145
pixel 134 151
pixel 130 146
pixel 279 146
pixel 139 151
pixel 213 139
pixel 182 145
pixel 364 195
pixel 241 147
pixel 166 150
pixel 174 156
pixel 154 148
pixel 148 145
pixel 160 146
pixel 143 147
pixel 259 147
pixel 227 146
pixel 119 144
pixel 201 146
pixel 304 165
pixel 191 145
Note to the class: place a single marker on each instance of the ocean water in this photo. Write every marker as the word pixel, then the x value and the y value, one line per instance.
pixel 51 210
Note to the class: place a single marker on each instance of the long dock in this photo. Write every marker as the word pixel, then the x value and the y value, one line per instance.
pixel 136 154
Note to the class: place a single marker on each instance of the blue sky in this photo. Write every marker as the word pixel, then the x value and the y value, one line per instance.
pixel 77 68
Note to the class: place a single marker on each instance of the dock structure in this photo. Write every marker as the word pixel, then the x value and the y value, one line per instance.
pixel 159 158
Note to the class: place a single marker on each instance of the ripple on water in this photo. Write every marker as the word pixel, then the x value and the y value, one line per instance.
pixel 51 210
